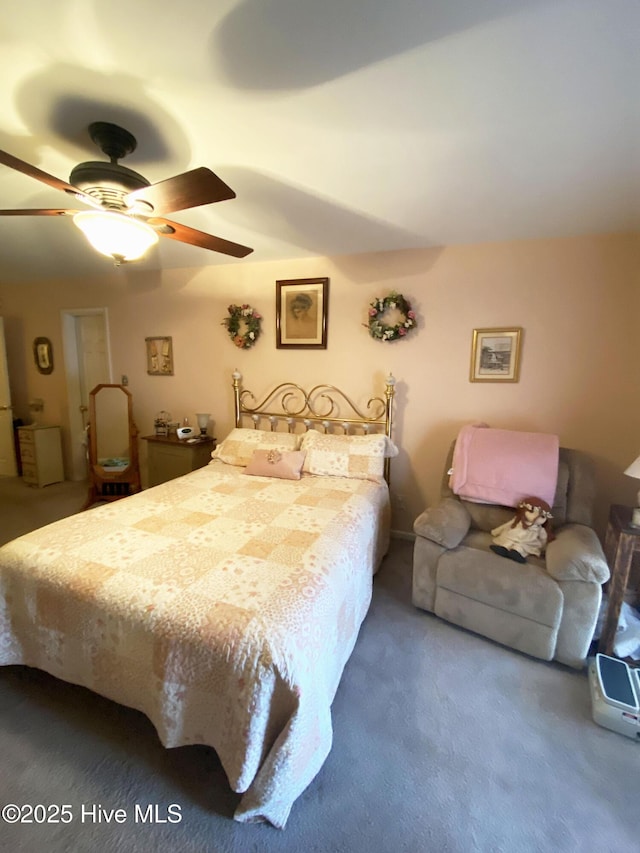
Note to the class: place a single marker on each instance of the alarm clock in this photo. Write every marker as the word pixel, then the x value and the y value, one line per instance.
pixel 184 432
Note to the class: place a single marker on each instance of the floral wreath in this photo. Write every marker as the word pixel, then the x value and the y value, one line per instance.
pixel 384 332
pixel 243 314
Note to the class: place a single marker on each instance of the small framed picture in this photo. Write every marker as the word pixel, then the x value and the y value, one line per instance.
pixel 301 313
pixel 159 356
pixel 43 355
pixel 495 355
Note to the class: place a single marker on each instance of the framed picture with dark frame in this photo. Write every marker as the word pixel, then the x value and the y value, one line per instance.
pixel 301 313
pixel 43 355
pixel 159 356
pixel 495 355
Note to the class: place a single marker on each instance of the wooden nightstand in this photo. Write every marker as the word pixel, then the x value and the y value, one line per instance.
pixel 40 454
pixel 621 543
pixel 169 457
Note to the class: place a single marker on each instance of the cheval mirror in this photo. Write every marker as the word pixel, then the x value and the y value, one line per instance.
pixel 114 470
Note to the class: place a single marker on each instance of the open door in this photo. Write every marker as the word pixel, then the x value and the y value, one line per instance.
pixel 8 467
pixel 87 364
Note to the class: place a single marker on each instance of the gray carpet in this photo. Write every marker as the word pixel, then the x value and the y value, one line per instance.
pixel 23 508
pixel 443 741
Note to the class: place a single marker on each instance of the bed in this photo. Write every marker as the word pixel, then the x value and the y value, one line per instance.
pixel 223 604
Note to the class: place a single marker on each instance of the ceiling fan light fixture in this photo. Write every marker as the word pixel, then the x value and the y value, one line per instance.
pixel 115 235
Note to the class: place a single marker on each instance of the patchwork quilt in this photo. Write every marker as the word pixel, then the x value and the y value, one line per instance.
pixel 222 606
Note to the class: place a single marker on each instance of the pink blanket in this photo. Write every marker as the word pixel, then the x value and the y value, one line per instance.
pixel 502 466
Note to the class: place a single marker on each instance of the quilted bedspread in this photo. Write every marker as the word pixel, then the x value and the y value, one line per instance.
pixel 222 606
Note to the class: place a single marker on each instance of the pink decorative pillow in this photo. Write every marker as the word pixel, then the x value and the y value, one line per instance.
pixel 286 465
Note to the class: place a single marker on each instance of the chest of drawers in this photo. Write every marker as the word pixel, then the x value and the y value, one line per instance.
pixel 41 455
pixel 168 457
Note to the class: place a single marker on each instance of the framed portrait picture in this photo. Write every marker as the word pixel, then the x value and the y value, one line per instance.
pixel 159 356
pixel 495 355
pixel 301 313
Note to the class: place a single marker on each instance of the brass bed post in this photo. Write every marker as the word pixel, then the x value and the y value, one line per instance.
pixel 389 393
pixel 237 377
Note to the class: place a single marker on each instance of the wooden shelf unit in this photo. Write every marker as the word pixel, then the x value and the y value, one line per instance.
pixel 622 542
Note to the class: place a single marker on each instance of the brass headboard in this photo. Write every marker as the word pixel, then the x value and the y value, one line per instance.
pixel 324 405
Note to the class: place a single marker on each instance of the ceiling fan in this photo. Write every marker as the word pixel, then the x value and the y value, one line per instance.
pixel 127 212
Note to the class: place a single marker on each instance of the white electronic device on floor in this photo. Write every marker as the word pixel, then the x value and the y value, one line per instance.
pixel 615 695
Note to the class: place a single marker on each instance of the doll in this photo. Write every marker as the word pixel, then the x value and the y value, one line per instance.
pixel 527 532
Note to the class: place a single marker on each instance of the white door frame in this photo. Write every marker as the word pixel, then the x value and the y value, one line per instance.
pixel 8 465
pixel 72 369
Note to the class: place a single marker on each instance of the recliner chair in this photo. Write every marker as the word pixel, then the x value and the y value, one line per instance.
pixel 547 607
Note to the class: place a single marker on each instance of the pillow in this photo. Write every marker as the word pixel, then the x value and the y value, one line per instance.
pixel 239 446
pixel 358 457
pixel 286 465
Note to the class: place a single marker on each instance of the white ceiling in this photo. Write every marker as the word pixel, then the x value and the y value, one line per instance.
pixel 344 126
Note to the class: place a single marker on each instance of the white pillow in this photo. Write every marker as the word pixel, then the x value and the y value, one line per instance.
pixel 358 457
pixel 239 446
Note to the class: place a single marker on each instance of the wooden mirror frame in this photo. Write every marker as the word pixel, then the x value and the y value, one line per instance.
pixel 106 485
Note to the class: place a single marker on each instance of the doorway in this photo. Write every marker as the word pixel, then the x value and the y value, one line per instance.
pixel 8 467
pixel 87 363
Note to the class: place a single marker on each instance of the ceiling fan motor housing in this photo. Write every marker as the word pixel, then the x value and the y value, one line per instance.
pixel 108 182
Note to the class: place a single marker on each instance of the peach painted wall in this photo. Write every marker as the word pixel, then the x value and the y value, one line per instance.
pixel 578 301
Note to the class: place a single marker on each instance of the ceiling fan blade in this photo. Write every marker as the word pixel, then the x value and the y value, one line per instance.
pixel 53 211
pixel 184 234
pixel 189 189
pixel 33 172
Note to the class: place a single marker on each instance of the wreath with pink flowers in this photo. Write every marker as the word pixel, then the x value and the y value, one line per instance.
pixel 243 325
pixel 382 331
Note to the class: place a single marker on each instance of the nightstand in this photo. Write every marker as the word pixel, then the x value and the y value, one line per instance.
pixel 40 454
pixel 622 542
pixel 169 457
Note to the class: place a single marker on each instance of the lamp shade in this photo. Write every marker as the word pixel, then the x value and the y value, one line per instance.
pixel 203 421
pixel 634 469
pixel 115 235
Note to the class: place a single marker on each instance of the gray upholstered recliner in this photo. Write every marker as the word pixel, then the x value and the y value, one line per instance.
pixel 547 607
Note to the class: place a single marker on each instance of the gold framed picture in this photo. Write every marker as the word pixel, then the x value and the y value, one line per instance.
pixel 159 356
pixel 301 313
pixel 495 355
